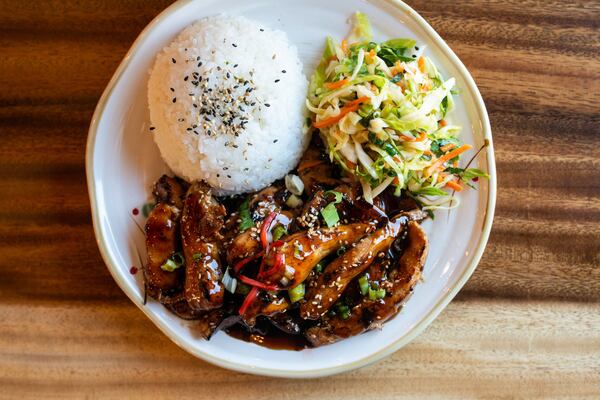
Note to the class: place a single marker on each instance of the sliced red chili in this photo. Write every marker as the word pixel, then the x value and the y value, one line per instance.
pixel 255 283
pixel 274 268
pixel 264 230
pixel 242 263
pixel 250 297
pixel 278 243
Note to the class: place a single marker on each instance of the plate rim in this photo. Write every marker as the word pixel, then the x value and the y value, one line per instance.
pixel 111 262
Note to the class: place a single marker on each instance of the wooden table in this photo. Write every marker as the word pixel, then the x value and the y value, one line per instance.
pixel 527 325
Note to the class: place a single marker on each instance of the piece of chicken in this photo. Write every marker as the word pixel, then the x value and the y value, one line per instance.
pixel 302 251
pixel 162 237
pixel 369 314
pixel 170 190
pixel 201 223
pixel 247 243
pixel 339 273
pixel 315 170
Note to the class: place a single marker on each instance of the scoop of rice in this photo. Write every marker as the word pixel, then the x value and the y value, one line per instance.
pixel 226 102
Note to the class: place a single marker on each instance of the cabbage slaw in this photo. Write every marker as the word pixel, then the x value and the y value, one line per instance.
pixel 381 110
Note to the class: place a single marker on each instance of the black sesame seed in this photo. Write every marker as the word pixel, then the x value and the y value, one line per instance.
pixel 200 64
pixel 152 128
pixel 275 141
pixel 172 90
pixel 235 66
pixel 283 71
pixel 414 56
pixel 186 78
pixel 234 45
pixel 174 60
pixel 228 75
pixel 262 30
pixel 229 176
pixel 267 105
pixel 174 99
pixel 417 48
pixel 277 80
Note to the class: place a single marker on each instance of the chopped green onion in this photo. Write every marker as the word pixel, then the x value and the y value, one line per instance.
pixel 296 293
pixel 319 267
pixel 363 283
pixel 293 201
pixel 298 251
pixel 294 184
pixel 170 266
pixel 330 215
pixel 338 196
pixel 197 256
pixel 147 209
pixel 279 231
pixel 376 294
pixel 246 221
pixel 229 282
pixel 343 311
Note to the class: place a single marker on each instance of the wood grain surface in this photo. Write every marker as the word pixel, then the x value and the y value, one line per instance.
pixel 527 325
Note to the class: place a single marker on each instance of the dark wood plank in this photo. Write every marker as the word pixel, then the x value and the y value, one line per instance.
pixel 526 321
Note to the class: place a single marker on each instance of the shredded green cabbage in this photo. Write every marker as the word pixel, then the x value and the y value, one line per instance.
pixel 382 111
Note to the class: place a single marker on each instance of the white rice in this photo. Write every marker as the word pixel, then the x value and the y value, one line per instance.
pixel 264 74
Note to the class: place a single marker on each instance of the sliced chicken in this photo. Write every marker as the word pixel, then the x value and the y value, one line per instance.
pixel 170 190
pixel 369 314
pixel 201 223
pixel 339 273
pixel 316 171
pixel 162 236
pixel 247 243
pixel 300 252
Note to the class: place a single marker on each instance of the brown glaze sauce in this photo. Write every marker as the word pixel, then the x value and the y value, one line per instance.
pixel 275 339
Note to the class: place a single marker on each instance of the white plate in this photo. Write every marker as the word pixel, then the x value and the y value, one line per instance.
pixel 123 162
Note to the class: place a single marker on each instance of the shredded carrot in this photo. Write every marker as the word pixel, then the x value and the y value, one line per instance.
pixel 447 147
pixel 372 54
pixel 454 185
pixel 399 67
pixel 309 164
pixel 335 85
pixel 396 181
pixel 441 176
pixel 448 156
pixel 428 153
pixel 455 164
pixel 357 102
pixel 345 46
pixel 443 123
pixel 421 63
pixel 422 136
